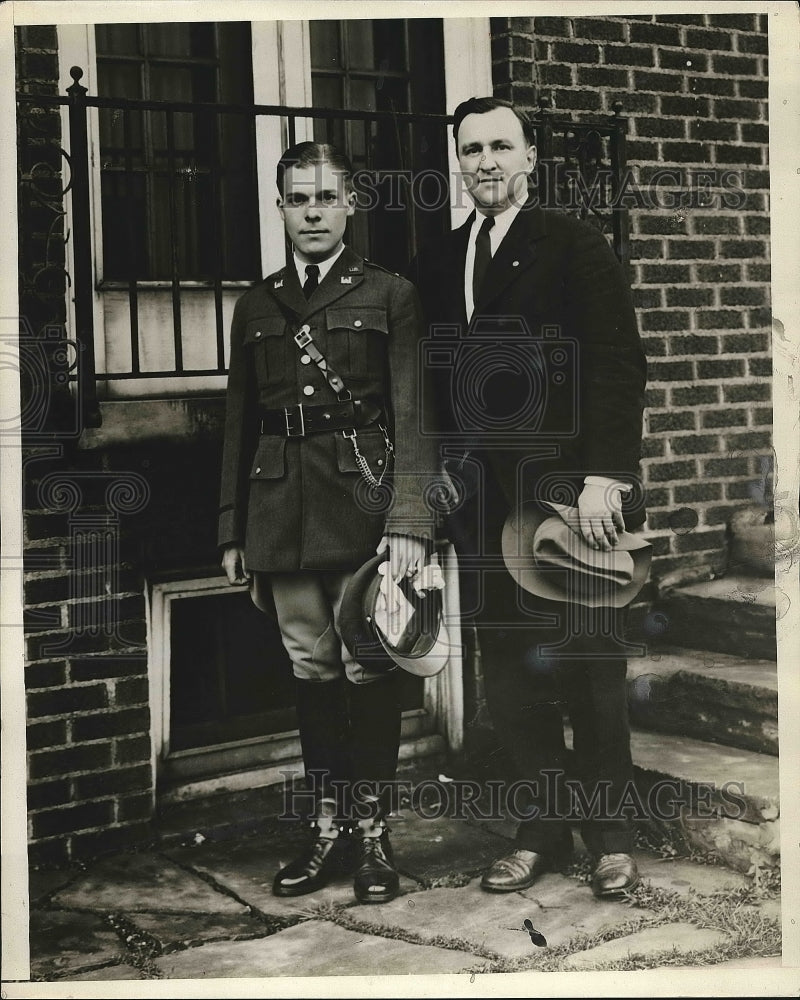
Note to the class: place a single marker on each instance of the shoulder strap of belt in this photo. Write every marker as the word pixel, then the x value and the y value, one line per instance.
pixel 305 342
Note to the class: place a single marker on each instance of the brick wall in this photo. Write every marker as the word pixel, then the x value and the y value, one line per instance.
pixel 694 88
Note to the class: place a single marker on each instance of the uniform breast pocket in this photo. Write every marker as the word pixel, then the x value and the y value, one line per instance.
pixel 267 340
pixel 357 340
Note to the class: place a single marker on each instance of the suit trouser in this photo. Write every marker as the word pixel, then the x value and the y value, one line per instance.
pixel 540 657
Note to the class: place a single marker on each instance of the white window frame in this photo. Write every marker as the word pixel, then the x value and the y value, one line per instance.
pixel 280 753
pixel 282 80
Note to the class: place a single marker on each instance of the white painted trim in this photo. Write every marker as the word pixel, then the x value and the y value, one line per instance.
pixel 76 47
pixel 270 140
pixel 294 57
pixel 467 73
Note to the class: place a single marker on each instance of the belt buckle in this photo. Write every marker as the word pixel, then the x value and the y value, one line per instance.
pixel 287 410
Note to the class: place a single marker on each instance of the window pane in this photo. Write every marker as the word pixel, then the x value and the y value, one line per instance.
pixel 180 40
pixel 360 48
pixel 118 39
pixel 325 45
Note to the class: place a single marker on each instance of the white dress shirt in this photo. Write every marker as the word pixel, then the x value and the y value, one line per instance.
pixel 323 265
pixel 502 223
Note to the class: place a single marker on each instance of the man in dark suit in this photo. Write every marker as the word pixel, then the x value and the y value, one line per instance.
pixel 321 403
pixel 540 379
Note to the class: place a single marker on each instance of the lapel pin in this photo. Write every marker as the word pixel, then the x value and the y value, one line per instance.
pixel 278 284
pixel 353 270
pixel 515 263
pixel 346 281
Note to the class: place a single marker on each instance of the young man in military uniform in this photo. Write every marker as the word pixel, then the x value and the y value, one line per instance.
pixel 322 400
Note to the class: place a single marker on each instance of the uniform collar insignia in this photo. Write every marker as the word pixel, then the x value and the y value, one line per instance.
pixel 278 284
pixel 346 281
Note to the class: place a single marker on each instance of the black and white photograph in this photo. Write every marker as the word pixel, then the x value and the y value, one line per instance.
pixel 400 484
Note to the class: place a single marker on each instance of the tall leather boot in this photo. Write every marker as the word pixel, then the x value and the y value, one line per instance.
pixel 374 745
pixel 322 721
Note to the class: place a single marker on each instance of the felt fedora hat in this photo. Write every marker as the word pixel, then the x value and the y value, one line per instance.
pixel 550 559
pixel 389 624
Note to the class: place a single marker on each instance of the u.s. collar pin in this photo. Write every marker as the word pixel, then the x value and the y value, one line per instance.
pixel 278 284
pixel 353 270
pixel 346 281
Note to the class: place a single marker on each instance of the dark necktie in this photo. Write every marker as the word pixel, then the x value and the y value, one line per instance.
pixel 312 280
pixel 483 254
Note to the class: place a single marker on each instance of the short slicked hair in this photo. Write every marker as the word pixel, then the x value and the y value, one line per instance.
pixel 481 105
pixel 309 154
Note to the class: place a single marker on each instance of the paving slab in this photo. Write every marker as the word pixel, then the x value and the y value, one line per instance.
pixel 247 868
pixel 681 937
pixel 187 930
pixel 62 942
pixel 108 974
pixel 752 963
pixel 313 948
pixel 440 848
pixel 685 876
pixel 43 882
pixel 560 907
pixel 740 845
pixel 133 883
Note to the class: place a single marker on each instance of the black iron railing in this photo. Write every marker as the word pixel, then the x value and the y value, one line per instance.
pixel 581 166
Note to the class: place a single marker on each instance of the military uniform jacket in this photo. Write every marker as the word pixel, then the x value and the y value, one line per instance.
pixel 301 502
pixel 554 281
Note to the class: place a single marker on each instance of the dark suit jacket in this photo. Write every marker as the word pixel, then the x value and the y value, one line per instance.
pixel 552 357
pixel 301 503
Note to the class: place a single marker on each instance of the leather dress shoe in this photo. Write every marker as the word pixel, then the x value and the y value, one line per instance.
pixel 376 880
pixel 308 872
pixel 614 875
pixel 517 871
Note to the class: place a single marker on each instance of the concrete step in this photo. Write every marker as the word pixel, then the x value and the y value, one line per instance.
pixel 719 799
pixel 732 614
pixel 711 696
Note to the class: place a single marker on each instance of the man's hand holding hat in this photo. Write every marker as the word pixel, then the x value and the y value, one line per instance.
pixel 598 515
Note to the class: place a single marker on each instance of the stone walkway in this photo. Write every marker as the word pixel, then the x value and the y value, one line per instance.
pixel 204 909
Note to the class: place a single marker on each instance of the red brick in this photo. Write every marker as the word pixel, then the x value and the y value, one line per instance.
pixel 736 153
pixel 45 675
pixel 741 22
pixel 662 223
pixel 693 344
pixel 684 106
pixel 660 128
pixel 135 807
pixel 655 398
pixel 628 55
pixel 602 76
pixel 576 52
pixel 735 65
pixel 67 761
pixel 679 19
pixel 722 368
pixel 39 735
pixel 668 471
pixel 757 225
pixel 725 467
pixel 670 371
pixel 653 447
pixel 753 88
pixel 661 34
pixel 711 225
pixel 556 74
pixel 694 395
pixel 668 319
pixel 559 26
pixel 754 392
pixel 579 100
pixel 748 440
pixel 65 701
pixel 762 415
pixel 657 498
pixel 93 727
pixel 646 249
pixel 600 28
pixel 131 691
pixel 650 298
pixel 132 749
pixel 745 343
pixel 691 249
pixel 97 667
pixel 671 421
pixel 739 491
pixel 718 515
pixel 697 492
pixel 760 366
pixel 728 417
pixel 114 782
pixel 719 319
pixel 680 59
pixel 46 794
pixel 695 444
pixel 759 317
pixel 697 38
pixel 724 108
pixel 713 86
pixel 659 83
pixel 667 274
pixel 689 296
pixel 713 273
pixel 686 152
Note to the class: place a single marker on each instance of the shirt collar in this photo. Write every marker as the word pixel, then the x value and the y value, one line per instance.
pixel 502 224
pixel 323 265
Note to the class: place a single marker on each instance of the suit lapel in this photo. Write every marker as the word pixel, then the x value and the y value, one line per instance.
pixel 516 253
pixel 454 264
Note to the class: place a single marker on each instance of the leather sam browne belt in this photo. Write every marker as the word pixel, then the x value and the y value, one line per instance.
pixel 302 419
